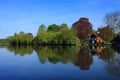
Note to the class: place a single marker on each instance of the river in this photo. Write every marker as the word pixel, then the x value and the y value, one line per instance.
pixel 59 63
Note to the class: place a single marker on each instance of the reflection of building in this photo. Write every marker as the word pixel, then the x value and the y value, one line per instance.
pixel 96 49
pixel 100 49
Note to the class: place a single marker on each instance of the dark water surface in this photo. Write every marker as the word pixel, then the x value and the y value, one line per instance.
pixel 59 63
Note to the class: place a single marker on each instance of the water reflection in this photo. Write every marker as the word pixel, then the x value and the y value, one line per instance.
pixel 107 54
pixel 84 59
pixel 56 54
pixel 113 66
pixel 20 50
pixel 79 56
pixel 116 48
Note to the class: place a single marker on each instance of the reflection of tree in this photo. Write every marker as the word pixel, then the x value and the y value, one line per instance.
pixel 112 60
pixel 92 49
pixel 56 54
pixel 107 54
pixel 116 48
pixel 21 50
pixel 2 46
pixel 113 66
pixel 43 52
pixel 84 59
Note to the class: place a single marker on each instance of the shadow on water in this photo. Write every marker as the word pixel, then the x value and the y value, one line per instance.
pixel 79 56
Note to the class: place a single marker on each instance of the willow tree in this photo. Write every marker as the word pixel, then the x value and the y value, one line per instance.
pixel 21 38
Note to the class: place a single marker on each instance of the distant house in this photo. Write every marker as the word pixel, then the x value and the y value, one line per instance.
pixel 93 38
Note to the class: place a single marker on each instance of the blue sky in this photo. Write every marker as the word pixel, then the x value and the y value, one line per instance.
pixel 27 15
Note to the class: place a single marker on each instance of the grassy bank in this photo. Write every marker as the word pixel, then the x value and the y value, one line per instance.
pixel 3 42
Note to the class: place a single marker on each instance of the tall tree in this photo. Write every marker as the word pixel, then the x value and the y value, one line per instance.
pixel 82 27
pixel 112 20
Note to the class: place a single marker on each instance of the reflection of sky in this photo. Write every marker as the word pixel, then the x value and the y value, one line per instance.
pixel 28 67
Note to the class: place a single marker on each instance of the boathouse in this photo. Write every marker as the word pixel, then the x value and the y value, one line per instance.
pixel 93 39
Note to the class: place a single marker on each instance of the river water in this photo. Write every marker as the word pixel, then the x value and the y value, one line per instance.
pixel 59 63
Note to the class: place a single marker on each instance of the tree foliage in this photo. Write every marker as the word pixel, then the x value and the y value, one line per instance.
pixel 83 27
pixel 46 37
pixel 21 38
pixel 42 27
pixel 60 37
pixel 53 28
pixel 106 33
pixel 116 40
pixel 54 35
pixel 64 26
pixel 68 37
pixel 112 20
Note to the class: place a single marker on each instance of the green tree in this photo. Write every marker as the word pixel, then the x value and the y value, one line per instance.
pixel 64 26
pixel 68 37
pixel 21 38
pixel 15 34
pixel 42 27
pixel 21 32
pixel 53 28
pixel 29 38
pixel 45 37
pixel 54 35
